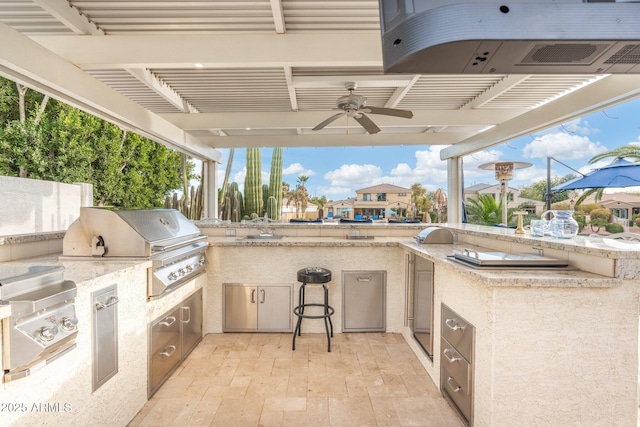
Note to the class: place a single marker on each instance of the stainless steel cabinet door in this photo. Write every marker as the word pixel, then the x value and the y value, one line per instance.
pixel 191 318
pixel 275 308
pixel 240 308
pixel 364 301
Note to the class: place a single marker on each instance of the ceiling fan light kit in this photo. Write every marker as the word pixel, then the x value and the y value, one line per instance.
pixel 355 106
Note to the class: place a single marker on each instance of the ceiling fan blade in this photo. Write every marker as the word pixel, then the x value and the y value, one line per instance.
pixel 389 112
pixel 366 123
pixel 329 120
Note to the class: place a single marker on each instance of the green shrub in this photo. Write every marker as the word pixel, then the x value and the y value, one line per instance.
pixel 600 213
pixel 580 219
pixel 588 207
pixel 614 228
pixel 637 222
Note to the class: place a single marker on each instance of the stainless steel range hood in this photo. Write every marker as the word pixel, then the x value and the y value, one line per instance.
pixel 515 37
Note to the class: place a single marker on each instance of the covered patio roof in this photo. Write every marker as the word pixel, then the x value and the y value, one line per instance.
pixel 202 75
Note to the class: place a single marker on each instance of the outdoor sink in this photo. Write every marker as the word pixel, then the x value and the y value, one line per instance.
pixel 263 237
pixel 359 237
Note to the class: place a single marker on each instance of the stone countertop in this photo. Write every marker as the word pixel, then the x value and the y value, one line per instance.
pixel 539 277
pixel 589 245
pixel 82 270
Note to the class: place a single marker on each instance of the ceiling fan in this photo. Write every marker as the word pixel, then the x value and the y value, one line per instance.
pixel 356 105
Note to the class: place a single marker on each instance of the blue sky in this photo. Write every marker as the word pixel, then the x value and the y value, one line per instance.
pixel 338 172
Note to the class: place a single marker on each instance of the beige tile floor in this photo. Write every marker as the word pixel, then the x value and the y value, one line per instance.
pixel 235 380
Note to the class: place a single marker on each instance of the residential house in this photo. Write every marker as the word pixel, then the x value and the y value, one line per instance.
pixel 623 205
pixel 382 200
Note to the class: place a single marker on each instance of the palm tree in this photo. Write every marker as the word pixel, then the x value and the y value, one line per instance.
pixel 417 193
pixel 303 197
pixel 440 201
pixel 319 202
pixel 484 210
pixel 630 151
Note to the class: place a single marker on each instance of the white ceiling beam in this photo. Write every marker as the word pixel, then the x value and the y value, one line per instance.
pixel 604 93
pixel 334 140
pixel 162 89
pixel 288 75
pixel 216 51
pixel 278 16
pixel 320 82
pixel 309 119
pixel 69 16
pixel 26 62
pixel 401 92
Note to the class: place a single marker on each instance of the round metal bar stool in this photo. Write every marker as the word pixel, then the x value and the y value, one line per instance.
pixel 314 276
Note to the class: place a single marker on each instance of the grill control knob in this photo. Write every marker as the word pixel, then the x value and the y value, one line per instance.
pixel 181 272
pixel 173 275
pixel 46 333
pixel 189 268
pixel 68 323
pixel 202 260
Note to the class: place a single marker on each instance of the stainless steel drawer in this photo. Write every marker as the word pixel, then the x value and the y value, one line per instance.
pixel 458 332
pixel 453 389
pixel 453 362
pixel 166 350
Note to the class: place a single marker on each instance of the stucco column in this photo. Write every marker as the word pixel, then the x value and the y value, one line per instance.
pixel 454 190
pixel 210 190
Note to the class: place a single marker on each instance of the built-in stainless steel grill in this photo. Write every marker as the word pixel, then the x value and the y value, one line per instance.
pixel 168 238
pixel 43 323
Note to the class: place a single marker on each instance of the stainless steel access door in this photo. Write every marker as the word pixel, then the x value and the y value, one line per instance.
pixel 105 335
pixel 423 304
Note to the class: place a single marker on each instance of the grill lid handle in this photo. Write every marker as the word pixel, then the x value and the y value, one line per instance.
pixel 163 248
pixel 98 247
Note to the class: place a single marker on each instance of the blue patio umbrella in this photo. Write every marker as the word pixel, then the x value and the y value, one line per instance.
pixel 619 173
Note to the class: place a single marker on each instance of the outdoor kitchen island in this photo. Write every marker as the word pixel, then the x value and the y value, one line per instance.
pixel 551 346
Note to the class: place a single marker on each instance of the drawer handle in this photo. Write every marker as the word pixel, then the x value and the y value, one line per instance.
pixel 455 389
pixel 113 300
pixel 188 310
pixel 253 296
pixel 263 294
pixel 168 350
pixel 451 323
pixel 168 321
pixel 453 359
pixel 364 279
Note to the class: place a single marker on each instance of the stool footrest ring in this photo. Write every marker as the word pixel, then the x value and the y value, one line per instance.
pixel 297 309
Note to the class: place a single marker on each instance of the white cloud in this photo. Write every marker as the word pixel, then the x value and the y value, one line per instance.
pixel 562 146
pixel 336 193
pixel 355 176
pixel 297 169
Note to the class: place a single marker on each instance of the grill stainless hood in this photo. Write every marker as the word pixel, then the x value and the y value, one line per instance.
pixel 515 37
pixel 168 238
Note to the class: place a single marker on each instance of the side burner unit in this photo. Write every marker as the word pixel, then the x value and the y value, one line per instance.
pixel 43 322
pixel 165 236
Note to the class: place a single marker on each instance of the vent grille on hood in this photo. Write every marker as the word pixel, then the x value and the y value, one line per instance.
pixel 518 37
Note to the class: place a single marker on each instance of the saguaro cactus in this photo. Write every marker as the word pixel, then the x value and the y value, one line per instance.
pixel 253 183
pixel 273 208
pixel 275 179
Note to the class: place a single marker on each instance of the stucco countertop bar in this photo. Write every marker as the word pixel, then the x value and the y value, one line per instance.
pixel 438 253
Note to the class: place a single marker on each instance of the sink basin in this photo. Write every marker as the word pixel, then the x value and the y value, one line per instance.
pixel 359 237
pixel 263 237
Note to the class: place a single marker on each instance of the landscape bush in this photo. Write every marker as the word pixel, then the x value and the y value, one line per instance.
pixel 613 228
pixel 600 213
